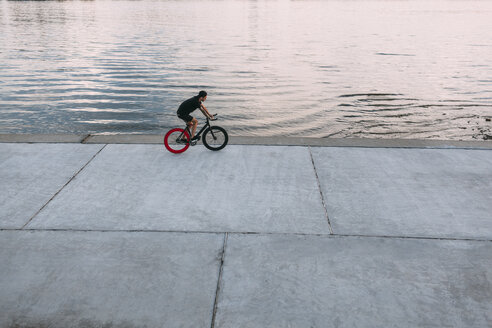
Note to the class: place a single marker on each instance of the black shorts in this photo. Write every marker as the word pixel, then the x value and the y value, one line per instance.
pixel 186 117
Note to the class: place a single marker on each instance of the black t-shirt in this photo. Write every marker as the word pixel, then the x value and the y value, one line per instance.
pixel 189 106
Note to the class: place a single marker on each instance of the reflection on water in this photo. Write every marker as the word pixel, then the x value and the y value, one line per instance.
pixel 404 69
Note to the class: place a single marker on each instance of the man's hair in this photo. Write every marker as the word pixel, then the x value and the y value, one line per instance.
pixel 202 94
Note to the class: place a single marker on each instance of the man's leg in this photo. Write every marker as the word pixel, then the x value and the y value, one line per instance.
pixel 194 123
pixel 190 128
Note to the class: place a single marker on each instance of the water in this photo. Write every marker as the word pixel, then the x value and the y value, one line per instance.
pixel 371 69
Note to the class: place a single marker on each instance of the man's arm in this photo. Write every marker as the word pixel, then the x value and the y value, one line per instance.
pixel 205 112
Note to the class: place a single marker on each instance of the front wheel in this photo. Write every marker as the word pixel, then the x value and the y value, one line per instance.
pixel 215 138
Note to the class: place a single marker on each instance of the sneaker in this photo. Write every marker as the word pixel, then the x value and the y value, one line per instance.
pixel 197 138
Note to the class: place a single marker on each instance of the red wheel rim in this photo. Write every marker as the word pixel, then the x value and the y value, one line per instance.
pixel 170 138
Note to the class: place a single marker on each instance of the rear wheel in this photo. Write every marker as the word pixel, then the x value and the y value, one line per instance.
pixel 215 138
pixel 177 140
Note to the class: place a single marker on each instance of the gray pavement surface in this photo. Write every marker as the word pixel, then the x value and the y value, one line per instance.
pixel 116 279
pixel 31 175
pixel 407 192
pixel 316 281
pixel 129 235
pixel 142 187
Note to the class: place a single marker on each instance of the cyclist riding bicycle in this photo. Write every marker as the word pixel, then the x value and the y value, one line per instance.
pixel 190 105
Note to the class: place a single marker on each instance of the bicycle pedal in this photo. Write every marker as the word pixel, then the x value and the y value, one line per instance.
pixel 193 142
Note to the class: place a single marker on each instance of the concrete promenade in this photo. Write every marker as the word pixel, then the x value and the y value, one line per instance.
pixel 114 231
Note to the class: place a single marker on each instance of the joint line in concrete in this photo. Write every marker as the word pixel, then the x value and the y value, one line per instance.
pixel 70 180
pixel 83 141
pixel 253 233
pixel 320 191
pixel 219 280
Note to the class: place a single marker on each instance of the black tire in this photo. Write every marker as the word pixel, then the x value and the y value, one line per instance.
pixel 215 138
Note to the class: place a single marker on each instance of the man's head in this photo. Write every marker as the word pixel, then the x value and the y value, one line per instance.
pixel 202 95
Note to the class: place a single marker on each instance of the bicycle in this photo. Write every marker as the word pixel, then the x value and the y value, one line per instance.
pixel 215 138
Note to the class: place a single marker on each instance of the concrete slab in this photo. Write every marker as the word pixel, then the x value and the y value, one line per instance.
pixel 322 281
pixel 360 142
pixel 115 279
pixel 407 192
pixel 121 138
pixel 144 187
pixel 125 139
pixel 43 138
pixel 31 174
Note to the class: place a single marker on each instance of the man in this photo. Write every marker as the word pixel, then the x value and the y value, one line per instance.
pixel 188 106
